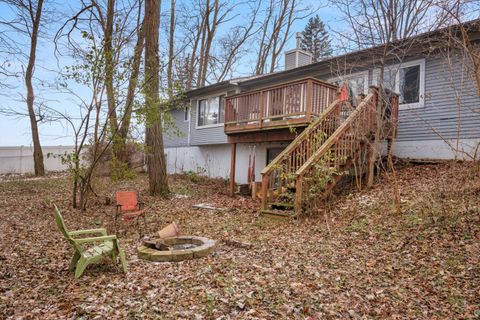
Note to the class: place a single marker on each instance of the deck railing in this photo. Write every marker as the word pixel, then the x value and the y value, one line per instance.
pixel 295 102
pixel 281 172
pixel 325 151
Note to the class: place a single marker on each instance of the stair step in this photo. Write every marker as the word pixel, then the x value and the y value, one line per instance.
pixel 278 214
pixel 282 206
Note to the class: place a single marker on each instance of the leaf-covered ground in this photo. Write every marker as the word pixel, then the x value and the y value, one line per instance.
pixel 361 260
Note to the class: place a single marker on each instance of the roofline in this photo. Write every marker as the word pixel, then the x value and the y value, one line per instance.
pixel 367 51
pixel 215 86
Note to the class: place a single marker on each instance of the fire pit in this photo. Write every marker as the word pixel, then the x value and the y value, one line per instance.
pixel 176 248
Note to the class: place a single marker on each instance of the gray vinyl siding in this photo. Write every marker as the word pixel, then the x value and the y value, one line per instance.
pixel 443 116
pixel 177 135
pixel 207 135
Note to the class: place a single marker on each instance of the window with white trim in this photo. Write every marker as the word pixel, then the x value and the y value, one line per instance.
pixel 407 79
pixel 211 111
pixel 356 82
pixel 186 113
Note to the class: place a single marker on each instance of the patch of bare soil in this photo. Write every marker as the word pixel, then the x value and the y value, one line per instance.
pixel 359 260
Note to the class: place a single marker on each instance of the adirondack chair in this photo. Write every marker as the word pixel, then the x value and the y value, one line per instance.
pixel 108 245
pixel 129 208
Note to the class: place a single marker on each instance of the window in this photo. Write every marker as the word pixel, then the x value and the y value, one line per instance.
pixel 410 84
pixel 211 111
pixel 357 83
pixel 272 153
pixel 408 80
pixel 186 112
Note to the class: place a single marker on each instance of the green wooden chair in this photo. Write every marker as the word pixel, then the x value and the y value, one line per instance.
pixel 109 245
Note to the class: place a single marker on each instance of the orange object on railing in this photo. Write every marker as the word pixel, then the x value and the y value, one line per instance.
pixel 334 140
pixel 342 147
pixel 343 92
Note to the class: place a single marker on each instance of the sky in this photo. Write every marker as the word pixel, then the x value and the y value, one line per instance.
pixel 16 131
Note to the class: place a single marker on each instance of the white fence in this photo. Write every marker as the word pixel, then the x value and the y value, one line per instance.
pixel 19 159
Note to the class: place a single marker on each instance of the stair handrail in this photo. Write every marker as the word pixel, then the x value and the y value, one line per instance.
pixel 366 108
pixel 292 146
pixel 336 135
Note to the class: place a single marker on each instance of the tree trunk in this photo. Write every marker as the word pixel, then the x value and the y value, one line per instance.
pixel 171 49
pixel 201 63
pixel 37 148
pixel 120 149
pixel 157 173
pixel 109 68
pixel 210 35
pixel 375 146
pixel 192 60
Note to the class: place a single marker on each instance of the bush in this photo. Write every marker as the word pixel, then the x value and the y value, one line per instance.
pixel 196 176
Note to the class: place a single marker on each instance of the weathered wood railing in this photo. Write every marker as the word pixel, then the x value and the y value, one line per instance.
pixel 324 152
pixel 340 149
pixel 280 174
pixel 294 102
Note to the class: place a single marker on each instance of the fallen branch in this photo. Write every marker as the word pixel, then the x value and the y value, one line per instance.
pixel 237 244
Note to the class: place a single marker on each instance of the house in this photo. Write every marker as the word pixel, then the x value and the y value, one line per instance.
pixel 233 129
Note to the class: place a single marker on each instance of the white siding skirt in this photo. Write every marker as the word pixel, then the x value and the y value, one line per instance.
pixel 214 160
pixel 437 149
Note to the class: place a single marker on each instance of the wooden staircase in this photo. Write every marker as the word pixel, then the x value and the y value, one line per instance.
pixel 324 153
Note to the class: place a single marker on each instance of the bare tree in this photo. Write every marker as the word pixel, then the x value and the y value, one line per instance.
pixel 388 26
pixel 214 15
pixel 35 15
pixel 107 24
pixel 27 22
pixel 279 17
pixel 171 48
pixel 459 37
pixel 116 24
pixel 107 64
pixel 120 147
pixel 212 48
pixel 88 124
pixel 157 174
pixel 233 45
pixel 458 47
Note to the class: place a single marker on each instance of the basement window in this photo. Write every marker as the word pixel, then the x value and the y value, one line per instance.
pixel 211 111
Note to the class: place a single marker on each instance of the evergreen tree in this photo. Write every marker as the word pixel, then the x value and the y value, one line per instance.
pixel 315 39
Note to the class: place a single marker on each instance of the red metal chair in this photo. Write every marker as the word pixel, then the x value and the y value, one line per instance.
pixel 129 208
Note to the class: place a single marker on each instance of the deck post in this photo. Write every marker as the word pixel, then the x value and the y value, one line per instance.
pixel 298 195
pixel 264 192
pixel 308 100
pixel 262 109
pixel 232 169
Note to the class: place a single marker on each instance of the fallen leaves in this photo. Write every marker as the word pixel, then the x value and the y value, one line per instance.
pixel 373 263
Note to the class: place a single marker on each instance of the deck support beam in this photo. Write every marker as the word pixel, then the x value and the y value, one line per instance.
pixel 232 168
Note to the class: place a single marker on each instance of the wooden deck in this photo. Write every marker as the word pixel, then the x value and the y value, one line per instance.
pixel 291 104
